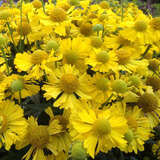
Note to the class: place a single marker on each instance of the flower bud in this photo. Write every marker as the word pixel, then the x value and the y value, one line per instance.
pixel 129 135
pixel 52 44
pixel 17 85
pixel 119 86
pixel 78 152
pixel 97 27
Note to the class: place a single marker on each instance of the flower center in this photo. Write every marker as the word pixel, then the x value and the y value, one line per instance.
pixel 154 82
pixel 96 42
pixel 123 57
pixel 140 26
pixel 104 5
pixel 132 122
pixel 71 57
pixel 122 41
pixel 135 81
pixel 154 64
pixel 58 15
pixel 102 56
pixel 155 23
pixel 3 123
pixel 102 84
pixel 102 17
pixel 26 28
pixel 119 86
pixel 38 56
pixel 86 29
pixel 129 135
pixel 102 127
pixel 69 83
pixel 39 136
pixel 148 102
pixel 37 4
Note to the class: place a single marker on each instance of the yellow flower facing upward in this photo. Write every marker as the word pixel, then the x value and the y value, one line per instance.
pixel 96 127
pixel 100 88
pixel 139 31
pixel 74 52
pixel 102 60
pixel 68 83
pixel 12 124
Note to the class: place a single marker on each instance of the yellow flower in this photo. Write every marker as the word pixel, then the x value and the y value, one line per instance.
pixel 149 103
pixel 100 130
pixel 139 31
pixel 102 61
pixel 139 129
pixel 74 52
pixel 35 64
pixel 40 138
pixel 154 24
pixel 99 87
pixel 11 86
pixel 127 59
pixel 12 124
pixel 62 140
pixel 65 84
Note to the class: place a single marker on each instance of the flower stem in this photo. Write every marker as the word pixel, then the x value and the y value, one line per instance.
pixel 107 101
pixel 11 34
pixel 146 51
pixel 6 61
pixel 10 3
pixel 20 97
pixel 21 4
pixel 43 5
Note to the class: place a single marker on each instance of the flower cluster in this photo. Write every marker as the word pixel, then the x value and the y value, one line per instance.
pixel 91 68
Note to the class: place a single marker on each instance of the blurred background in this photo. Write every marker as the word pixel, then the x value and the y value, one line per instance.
pixel 150 6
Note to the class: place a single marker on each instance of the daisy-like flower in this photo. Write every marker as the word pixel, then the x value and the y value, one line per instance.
pixel 62 139
pixel 155 28
pixel 138 31
pixel 40 138
pixel 127 59
pixel 74 52
pixel 96 127
pixel 12 124
pixel 35 64
pixel 138 127
pixel 102 61
pixel 65 84
pixel 149 103
pixel 12 85
pixel 58 18
pixel 100 89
